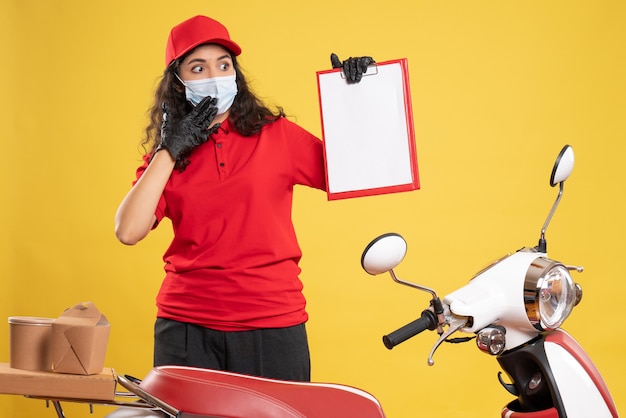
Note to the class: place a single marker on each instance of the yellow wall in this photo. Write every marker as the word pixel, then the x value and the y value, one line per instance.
pixel 497 88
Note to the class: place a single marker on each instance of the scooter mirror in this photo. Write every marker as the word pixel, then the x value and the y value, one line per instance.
pixel 383 254
pixel 563 166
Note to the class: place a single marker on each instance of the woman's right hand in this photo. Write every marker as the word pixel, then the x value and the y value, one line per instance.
pixel 179 138
pixel 135 216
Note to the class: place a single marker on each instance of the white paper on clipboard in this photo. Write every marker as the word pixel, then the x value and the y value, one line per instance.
pixel 368 131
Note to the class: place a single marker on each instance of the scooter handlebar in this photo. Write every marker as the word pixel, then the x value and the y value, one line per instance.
pixel 428 320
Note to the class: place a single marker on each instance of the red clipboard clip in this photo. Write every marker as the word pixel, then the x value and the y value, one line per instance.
pixel 371 70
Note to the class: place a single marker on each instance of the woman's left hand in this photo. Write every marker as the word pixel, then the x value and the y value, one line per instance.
pixel 353 68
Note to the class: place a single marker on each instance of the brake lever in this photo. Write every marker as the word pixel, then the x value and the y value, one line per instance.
pixel 456 323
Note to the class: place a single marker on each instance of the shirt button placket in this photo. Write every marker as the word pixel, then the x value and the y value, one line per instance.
pixel 220 159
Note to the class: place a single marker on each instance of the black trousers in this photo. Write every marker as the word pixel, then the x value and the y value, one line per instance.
pixel 275 353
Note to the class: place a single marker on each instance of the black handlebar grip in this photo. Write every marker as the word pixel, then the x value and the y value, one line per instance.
pixel 428 320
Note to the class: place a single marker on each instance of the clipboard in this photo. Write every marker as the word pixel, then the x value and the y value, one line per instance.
pixel 368 133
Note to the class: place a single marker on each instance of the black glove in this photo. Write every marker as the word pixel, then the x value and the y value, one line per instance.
pixel 181 137
pixel 353 68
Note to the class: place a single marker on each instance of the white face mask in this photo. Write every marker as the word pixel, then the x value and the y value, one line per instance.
pixel 222 88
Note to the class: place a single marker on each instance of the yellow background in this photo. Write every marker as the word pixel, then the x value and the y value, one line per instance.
pixel 498 87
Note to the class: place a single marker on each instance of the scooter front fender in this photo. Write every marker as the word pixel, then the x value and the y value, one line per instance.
pixel 570 383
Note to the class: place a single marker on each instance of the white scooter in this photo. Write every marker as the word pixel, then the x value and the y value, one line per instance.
pixel 515 308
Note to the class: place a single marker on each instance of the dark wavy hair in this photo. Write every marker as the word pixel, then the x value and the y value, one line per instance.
pixel 248 114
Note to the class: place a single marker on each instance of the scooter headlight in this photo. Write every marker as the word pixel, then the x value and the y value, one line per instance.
pixel 550 294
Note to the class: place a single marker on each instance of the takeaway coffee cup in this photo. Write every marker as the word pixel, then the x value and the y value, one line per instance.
pixel 29 338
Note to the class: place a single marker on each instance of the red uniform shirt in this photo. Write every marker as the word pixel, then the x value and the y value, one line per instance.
pixel 233 262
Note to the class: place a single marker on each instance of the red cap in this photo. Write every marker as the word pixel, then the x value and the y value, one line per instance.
pixel 197 31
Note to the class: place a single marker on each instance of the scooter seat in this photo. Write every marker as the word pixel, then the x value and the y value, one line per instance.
pixel 213 393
